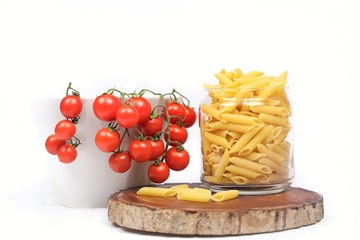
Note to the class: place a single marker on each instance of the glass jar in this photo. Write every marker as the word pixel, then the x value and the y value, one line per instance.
pixel 247 134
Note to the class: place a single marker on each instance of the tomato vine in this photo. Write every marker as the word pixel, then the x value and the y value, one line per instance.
pixel 166 121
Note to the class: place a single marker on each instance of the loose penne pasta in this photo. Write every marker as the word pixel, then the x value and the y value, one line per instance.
pixel 179 188
pixel 225 195
pixel 194 195
pixel 184 185
pixel 156 192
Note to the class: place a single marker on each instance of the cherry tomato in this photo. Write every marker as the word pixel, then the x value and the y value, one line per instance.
pixel 105 107
pixel 177 158
pixel 151 127
pixel 176 112
pixel 107 140
pixel 157 149
pixel 70 106
pixel 52 144
pixel 127 116
pixel 120 162
pixel 143 106
pixel 65 130
pixel 140 150
pixel 178 135
pixel 158 173
pixel 190 117
pixel 67 153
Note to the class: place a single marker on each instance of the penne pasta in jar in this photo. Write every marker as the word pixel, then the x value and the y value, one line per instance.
pixel 247 133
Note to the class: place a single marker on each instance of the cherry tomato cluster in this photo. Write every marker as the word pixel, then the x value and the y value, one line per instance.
pixel 63 142
pixel 160 131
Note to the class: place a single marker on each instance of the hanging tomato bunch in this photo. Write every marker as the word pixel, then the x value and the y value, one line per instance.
pixel 63 142
pixel 158 135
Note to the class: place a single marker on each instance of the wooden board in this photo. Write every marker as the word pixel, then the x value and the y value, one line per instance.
pixel 292 208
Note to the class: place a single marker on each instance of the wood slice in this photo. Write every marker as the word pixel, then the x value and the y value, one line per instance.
pixel 292 208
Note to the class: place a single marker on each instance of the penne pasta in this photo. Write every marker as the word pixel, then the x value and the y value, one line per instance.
pixel 241 180
pixel 278 149
pixel 255 156
pixel 213 138
pixel 247 173
pixel 258 138
pixel 180 186
pixel 225 195
pixel 243 140
pixel 246 129
pixel 223 79
pixel 156 192
pixel 212 111
pixel 224 162
pixel 278 111
pixel 272 154
pixel 194 195
pixel 274 120
pixel 278 169
pixel 241 119
pixel 247 164
pixel 237 98
pixel 231 127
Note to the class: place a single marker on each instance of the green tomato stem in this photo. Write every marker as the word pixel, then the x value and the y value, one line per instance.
pixel 74 91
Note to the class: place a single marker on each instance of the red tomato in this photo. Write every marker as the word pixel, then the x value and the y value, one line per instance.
pixel 157 149
pixel 178 135
pixel 107 140
pixel 65 130
pixel 143 106
pixel 151 127
pixel 127 116
pixel 105 107
pixel 67 153
pixel 120 162
pixel 190 117
pixel 140 150
pixel 52 144
pixel 177 159
pixel 70 106
pixel 158 173
pixel 176 112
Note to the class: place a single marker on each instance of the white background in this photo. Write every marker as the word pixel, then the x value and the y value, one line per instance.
pixel 179 44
